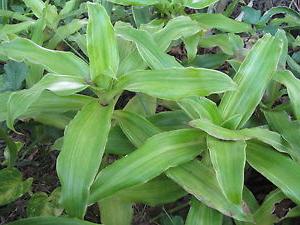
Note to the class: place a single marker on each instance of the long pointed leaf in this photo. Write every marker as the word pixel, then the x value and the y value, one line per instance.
pixel 54 61
pixel 186 81
pixel 229 159
pixel 84 143
pixel 165 150
pixel 101 45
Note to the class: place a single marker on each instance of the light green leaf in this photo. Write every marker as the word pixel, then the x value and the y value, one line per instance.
pixel 293 87
pixel 147 47
pixel 252 79
pixel 221 22
pixel 20 101
pixel 228 43
pixel 209 61
pixel 135 127
pixel 54 61
pixel 115 211
pixel 12 186
pixel 11 150
pixel 89 128
pixel 160 190
pixel 261 134
pixel 275 167
pixel 65 31
pixel 229 159
pixel 165 150
pixel 191 46
pixel 280 122
pixel 179 27
pixel 101 46
pixel 13 15
pixel 49 220
pixel 135 2
pixel 199 4
pixel 170 120
pixel 201 107
pixel 278 10
pixel 8 29
pixel 40 9
pixel 186 81
pixel 118 143
pixel 200 214
pixel 200 181
pixel 15 74
pixel 142 104
pixel 42 205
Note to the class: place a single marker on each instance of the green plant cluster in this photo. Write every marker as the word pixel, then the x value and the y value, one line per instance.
pixel 225 100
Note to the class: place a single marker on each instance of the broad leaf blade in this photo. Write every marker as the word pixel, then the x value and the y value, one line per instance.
pixel 220 22
pixel 101 45
pixel 89 128
pixel 48 220
pixel 186 81
pixel 264 135
pixel 115 211
pixel 160 190
pixel 166 150
pixel 135 127
pixel 54 61
pixel 253 76
pixel 229 159
pixel 200 214
pixel 199 4
pixel 200 181
pixel 11 185
pixel 275 167
pixel 147 47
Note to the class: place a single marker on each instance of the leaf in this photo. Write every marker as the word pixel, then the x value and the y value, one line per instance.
pixel 171 220
pixel 20 101
pixel 228 43
pixel 118 143
pixel 54 61
pixel 50 220
pixel 13 15
pixel 220 22
pixel 65 31
pixel 160 190
pixel 170 120
pixel 200 214
pixel 9 29
pixel 200 181
pixel 252 79
pixel 141 15
pixel 229 159
pixel 135 2
pixel 251 15
pixel 115 211
pixel 275 167
pixel 11 149
pixel 166 150
pixel 42 205
pixel 199 4
pixel 135 127
pixel 142 104
pixel 147 47
pixel 12 186
pixel 36 71
pixel 186 81
pixel 40 9
pixel 179 27
pixel 15 74
pixel 293 87
pixel 200 107
pixel 209 61
pixel 280 122
pixel 278 10
pixel 261 134
pixel 90 127
pixel 101 45
pixel 191 46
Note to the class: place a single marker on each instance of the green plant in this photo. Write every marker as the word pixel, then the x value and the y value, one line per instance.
pixel 156 154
